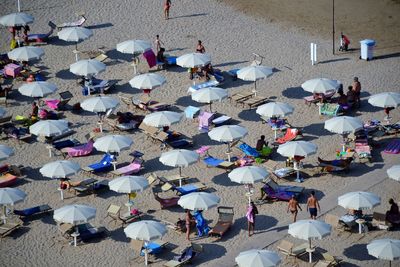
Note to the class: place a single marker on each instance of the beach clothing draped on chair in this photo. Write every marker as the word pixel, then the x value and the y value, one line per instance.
pixel 79 151
pixel 205 119
pixel 224 223
pixel 201 224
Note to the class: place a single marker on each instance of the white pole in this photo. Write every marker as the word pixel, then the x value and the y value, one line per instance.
pixel 145 252
pixel 5 214
pixel 19 6
pixel 180 176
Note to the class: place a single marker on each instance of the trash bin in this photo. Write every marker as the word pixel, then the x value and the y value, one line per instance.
pixel 367 49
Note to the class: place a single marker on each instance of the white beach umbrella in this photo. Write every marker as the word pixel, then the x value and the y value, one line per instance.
pixel 320 85
pixel 309 230
pixel 248 175
pixel 26 53
pixel 6 152
pixel 49 128
pixel 275 109
pixel 99 104
pixel 129 184
pixel 394 172
pixel 343 125
pixel 3 112
pixel 209 95
pixel 193 60
pixel 16 19
pixel 37 89
pixel 199 201
pixel 74 34
pixel 60 169
pixel 87 67
pixel 359 200
pixel 258 258
pixel 74 214
pixel 228 134
pixel 254 73
pixel 385 100
pixel 133 46
pixel 297 148
pixel 145 230
pixel 113 143
pixel 10 196
pixel 147 81
pixel 162 118
pixel 179 158
pixel 385 249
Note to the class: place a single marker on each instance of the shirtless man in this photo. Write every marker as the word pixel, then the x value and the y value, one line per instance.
pixel 312 205
pixel 292 207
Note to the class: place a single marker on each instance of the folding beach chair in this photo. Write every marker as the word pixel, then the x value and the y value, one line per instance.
pixel 8 228
pixel 186 256
pixel 103 165
pixel 114 212
pixel 242 96
pixel 224 223
pixel 129 169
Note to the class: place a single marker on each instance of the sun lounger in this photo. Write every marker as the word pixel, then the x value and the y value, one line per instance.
pixel 379 221
pixel 90 186
pixel 233 73
pixel 7 179
pixel 333 220
pixel 174 179
pixel 65 143
pixel 99 86
pixel 5 119
pixel 186 256
pixel 393 147
pixel 78 151
pixel 153 248
pixel 205 119
pixel 112 121
pixel 41 38
pixel 335 165
pixel 312 99
pixel 180 143
pixel 199 86
pixel 289 249
pixel 191 112
pixel 88 232
pixel 114 212
pixel 8 228
pixel 274 191
pixel 254 101
pixel 330 109
pixel 363 149
pixel 103 165
pixel 166 202
pixel 221 120
pixel 242 96
pixel 290 135
pixel 219 163
pixel 33 212
pixel 225 221
pixel 129 169
pixel 185 189
pixel 328 261
pixel 77 23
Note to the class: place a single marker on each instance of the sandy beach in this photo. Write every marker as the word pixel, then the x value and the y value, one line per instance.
pixel 230 37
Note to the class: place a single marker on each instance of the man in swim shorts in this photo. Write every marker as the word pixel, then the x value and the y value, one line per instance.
pixel 313 205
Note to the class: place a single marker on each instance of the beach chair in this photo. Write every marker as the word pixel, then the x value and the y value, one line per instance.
pixel 242 96
pixel 7 180
pixel 186 256
pixel 191 112
pixel 91 186
pixel 335 165
pixel 153 248
pixel 379 221
pixel 274 191
pixel 308 100
pixel 330 109
pixel 219 163
pixel 87 232
pixel 114 212
pixel 199 86
pixel 78 151
pixel 185 189
pixel 33 212
pixel 205 119
pixel 166 202
pixel 328 261
pixel 129 169
pixel 174 179
pixel 221 120
pixel 363 149
pixel 333 220
pixel 290 135
pixel 393 147
pixel 8 228
pixel 290 250
pixel 99 86
pixel 41 38
pixel 253 102
pixel 224 223
pixel 103 165
pixel 77 23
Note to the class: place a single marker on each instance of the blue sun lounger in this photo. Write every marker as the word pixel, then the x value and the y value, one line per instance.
pixel 248 150
pixel 29 212
pixel 199 86
pixel 233 73
pixel 104 164
pixel 65 143
pixel 219 163
pixel 185 189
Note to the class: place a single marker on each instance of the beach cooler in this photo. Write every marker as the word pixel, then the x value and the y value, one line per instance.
pixel 12 70
pixel 367 49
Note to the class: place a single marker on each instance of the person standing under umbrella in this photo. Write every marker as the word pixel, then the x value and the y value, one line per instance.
pixel 313 205
pixel 252 211
pixel 189 221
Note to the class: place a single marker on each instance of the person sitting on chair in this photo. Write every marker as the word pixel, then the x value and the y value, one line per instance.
pixel 35 111
pixel 262 147
pixel 351 97
pixel 393 214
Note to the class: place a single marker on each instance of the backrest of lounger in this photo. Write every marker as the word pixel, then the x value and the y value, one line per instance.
pixel 197 247
pixel 273 185
pixel 166 186
pixel 113 209
pixel 285 246
pixel 151 178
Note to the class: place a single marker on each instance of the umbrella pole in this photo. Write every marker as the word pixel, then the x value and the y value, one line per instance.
pixel 210 107
pixel 229 152
pixel 145 253
pixel 180 176
pixel 129 204
pixel 75 235
pixel 310 252
pixel 344 143
pixel 4 214
pixel 255 88
pixel 76 52
pixel 19 6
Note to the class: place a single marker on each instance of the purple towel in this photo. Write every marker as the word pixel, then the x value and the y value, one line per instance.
pixel 150 57
pixel 393 147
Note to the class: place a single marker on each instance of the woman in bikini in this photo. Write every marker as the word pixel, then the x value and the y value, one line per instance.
pixel 167 6
pixel 292 207
pixel 200 48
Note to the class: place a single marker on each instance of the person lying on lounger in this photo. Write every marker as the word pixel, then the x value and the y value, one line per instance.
pixel 343 163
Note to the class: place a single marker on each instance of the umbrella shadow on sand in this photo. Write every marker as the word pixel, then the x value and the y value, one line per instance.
pixel 119 235
pixel 264 223
pixel 316 130
pixel 295 93
pixel 358 252
pixel 249 115
pixel 66 75
pixel 217 252
pixel 186 101
pixel 223 179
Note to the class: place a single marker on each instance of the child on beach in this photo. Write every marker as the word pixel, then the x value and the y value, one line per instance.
pixel 313 205
pixel 292 207
pixel 252 211
pixel 167 6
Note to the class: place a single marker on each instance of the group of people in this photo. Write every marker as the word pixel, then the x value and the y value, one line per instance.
pixel 352 97
pixel 18 32
pixel 198 220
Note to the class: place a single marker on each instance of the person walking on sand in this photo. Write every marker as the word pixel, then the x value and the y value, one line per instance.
pixel 200 47
pixel 357 91
pixel 167 6
pixel 313 205
pixel 251 217
pixel 292 207
pixel 158 43
pixel 188 220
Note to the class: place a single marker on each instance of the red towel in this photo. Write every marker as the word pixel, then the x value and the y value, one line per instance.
pixel 150 57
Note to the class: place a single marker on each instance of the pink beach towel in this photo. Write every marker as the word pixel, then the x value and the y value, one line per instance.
pixel 134 167
pixel 150 58
pixel 52 103
pixel 249 214
pixel 79 151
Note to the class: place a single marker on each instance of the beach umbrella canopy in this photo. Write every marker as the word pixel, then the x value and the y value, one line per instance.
pixel 6 152
pixel 147 81
pixel 26 53
pixel 49 128
pixel 394 172
pixel 385 100
pixel 320 85
pixel 343 125
pixel 248 175
pixel 193 60
pixel 113 143
pixel 359 200
pixel 145 230
pixel 385 249
pixel 228 133
pixel 309 230
pixel 275 109
pixel 3 112
pixel 74 34
pixel 209 95
pixel 258 258
pixel 60 169
pixel 199 201
pixel 87 67
pixel 254 73
pixel 11 196
pixel 162 118
pixel 37 89
pixel 74 214
pixel 129 184
pixel 297 148
pixel 133 46
pixel 99 104
pixel 179 158
pixel 16 19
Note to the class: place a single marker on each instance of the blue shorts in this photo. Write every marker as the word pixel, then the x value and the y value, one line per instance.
pixel 313 212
